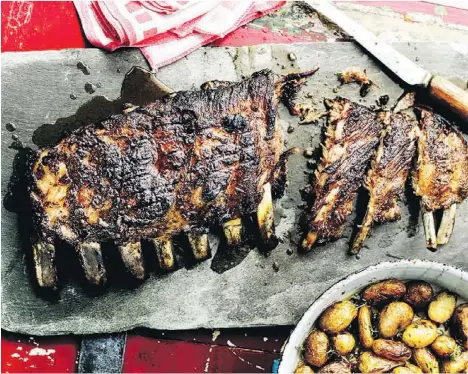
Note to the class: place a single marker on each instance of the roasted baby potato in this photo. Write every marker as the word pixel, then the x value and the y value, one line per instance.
pixel 460 323
pixel 338 367
pixel 316 348
pixel 343 343
pixel 338 317
pixel 424 358
pixel 420 334
pixel 456 364
pixel 442 307
pixel 395 317
pixel 365 326
pixel 443 346
pixel 418 294
pixel 392 350
pixel 304 369
pixel 407 369
pixel 371 363
pixel 383 292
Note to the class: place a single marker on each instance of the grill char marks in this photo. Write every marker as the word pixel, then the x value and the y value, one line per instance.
pixel 352 134
pixel 387 175
pixel 184 163
pixel 441 174
pixel 440 177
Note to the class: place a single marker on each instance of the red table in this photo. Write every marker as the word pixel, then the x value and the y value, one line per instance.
pixel 28 26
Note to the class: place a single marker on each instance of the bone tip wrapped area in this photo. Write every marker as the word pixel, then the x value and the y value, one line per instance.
pixel 132 257
pixel 44 264
pixel 165 253
pixel 91 259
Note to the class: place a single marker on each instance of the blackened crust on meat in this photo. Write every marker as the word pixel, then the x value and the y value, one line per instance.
pixel 184 162
pixel 391 164
pixel 441 174
pixel 389 170
pixel 352 135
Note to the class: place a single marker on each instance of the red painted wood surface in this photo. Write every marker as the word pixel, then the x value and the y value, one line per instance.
pixel 39 25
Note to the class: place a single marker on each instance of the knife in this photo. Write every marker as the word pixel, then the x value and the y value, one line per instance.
pixel 440 89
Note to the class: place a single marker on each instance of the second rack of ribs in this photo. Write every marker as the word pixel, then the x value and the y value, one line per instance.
pixel 182 164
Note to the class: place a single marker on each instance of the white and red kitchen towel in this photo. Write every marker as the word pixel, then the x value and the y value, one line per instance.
pixel 165 30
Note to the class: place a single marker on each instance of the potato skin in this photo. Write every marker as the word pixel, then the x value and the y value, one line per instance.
pixel 420 334
pixel 384 291
pixel 316 348
pixel 443 346
pixel 418 294
pixel 407 369
pixel 424 358
pixel 337 317
pixel 336 367
pixel 395 317
pixel 343 343
pixel 442 307
pixel 460 323
pixel 365 326
pixel 456 365
pixel 371 363
pixel 304 369
pixel 391 350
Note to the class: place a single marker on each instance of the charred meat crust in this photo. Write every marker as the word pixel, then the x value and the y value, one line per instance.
pixel 352 135
pixel 183 163
pixel 389 170
pixel 440 177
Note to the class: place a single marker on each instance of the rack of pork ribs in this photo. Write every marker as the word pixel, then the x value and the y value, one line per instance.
pixel 380 150
pixel 186 162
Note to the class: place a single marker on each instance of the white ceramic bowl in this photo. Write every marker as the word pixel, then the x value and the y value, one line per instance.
pixel 437 274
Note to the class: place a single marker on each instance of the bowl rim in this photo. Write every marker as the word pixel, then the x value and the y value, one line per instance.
pixel 288 346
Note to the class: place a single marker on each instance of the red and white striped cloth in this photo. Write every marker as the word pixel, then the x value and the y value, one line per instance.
pixel 165 30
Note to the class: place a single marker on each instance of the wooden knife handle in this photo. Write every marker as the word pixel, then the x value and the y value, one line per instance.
pixel 450 95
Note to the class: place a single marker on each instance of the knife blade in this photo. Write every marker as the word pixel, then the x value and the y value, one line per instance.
pixel 439 88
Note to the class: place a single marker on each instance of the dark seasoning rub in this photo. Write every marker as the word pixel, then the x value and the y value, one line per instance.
pixel 182 164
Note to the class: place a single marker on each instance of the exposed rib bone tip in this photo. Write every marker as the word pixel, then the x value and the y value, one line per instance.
pixel 132 257
pixel 266 220
pixel 309 241
pixel 200 246
pixel 234 233
pixel 164 252
pixel 446 225
pixel 90 256
pixel 44 264
pixel 429 230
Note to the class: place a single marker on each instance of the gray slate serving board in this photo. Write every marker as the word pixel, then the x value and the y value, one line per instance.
pixel 36 91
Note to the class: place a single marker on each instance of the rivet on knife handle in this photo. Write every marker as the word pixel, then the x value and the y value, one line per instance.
pixel 450 95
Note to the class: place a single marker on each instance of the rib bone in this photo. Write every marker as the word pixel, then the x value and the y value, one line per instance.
pixel 90 256
pixel 164 252
pixel 132 257
pixel 266 219
pixel 234 233
pixel 44 264
pixel 200 246
pixel 429 230
pixel 446 225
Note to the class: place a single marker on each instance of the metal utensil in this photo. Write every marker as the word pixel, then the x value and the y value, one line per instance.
pixel 439 88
